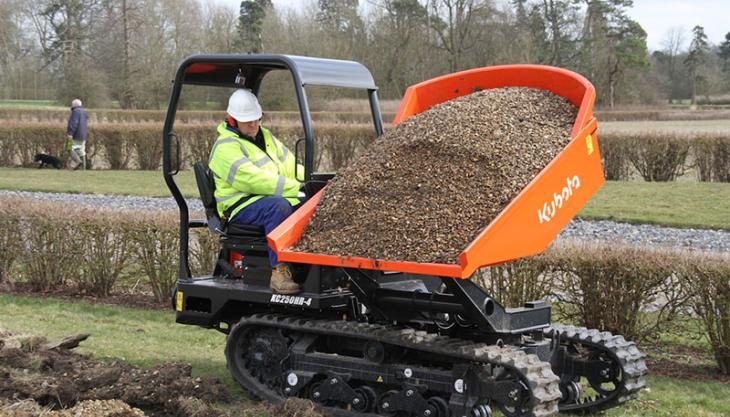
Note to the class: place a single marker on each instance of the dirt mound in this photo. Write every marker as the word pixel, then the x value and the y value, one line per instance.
pixel 95 408
pixel 432 183
pixel 51 376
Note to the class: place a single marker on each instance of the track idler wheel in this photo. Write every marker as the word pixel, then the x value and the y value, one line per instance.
pixel 334 390
pixel 386 403
pixel 364 400
pixel 260 354
pixel 438 407
pixel 315 393
pixel 408 401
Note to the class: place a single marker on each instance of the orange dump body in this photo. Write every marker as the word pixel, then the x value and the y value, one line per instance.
pixel 538 213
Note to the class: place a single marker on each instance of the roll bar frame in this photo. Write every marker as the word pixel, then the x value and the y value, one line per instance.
pixel 248 71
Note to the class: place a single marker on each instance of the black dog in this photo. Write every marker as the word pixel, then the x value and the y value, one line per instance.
pixel 47 161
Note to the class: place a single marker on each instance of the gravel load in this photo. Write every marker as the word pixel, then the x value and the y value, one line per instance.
pixel 426 189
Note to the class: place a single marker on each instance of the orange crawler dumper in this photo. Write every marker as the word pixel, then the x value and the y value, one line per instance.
pixel 416 341
pixel 538 213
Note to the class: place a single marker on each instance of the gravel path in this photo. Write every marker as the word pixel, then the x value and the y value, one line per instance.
pixel 606 231
pixel 108 201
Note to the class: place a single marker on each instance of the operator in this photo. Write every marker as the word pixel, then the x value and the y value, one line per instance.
pixel 254 177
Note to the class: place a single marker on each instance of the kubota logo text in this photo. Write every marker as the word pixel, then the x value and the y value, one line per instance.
pixel 547 212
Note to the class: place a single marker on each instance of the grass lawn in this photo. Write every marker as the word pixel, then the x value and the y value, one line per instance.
pixel 681 204
pixel 142 183
pixel 31 104
pixel 140 336
pixel 148 337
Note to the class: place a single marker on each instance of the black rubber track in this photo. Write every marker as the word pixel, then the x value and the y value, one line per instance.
pixel 538 375
pixel 622 352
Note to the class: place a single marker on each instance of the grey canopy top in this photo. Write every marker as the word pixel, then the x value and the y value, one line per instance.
pixel 222 70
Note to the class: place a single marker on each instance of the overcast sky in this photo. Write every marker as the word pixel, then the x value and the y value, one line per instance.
pixel 655 16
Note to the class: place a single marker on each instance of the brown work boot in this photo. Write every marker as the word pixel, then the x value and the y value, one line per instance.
pixel 281 281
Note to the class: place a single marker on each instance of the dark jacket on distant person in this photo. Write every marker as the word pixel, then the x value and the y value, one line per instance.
pixel 77 127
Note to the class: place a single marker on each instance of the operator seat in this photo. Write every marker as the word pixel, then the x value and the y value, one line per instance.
pixel 241 233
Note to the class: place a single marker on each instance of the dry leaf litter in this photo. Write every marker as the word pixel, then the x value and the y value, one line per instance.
pixel 430 185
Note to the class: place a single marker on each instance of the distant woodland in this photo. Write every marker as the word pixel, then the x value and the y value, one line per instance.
pixel 124 52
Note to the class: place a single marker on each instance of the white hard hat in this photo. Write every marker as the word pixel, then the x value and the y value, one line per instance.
pixel 244 106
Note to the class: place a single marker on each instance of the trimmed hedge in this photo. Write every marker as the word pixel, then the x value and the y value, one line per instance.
pixel 710 286
pixel 628 290
pixel 194 116
pixel 661 115
pixel 183 116
pixel 88 249
pixel 662 156
pixel 655 155
pixel 603 286
pixel 139 146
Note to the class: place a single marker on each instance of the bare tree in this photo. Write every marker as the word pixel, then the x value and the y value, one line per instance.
pixel 456 28
pixel 672 46
pixel 696 57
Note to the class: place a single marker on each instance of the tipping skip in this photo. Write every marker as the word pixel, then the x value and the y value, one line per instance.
pixel 547 212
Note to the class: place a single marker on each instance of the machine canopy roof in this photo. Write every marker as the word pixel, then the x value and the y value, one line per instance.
pixel 222 70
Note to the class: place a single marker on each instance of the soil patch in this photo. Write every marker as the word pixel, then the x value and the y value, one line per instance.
pixel 682 362
pixel 426 189
pixel 41 378
pixel 95 408
pixel 54 377
pixel 128 299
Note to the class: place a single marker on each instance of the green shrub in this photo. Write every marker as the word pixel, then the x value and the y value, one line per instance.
pixel 658 158
pixel 709 281
pixel 517 282
pixel 156 240
pixel 607 286
pixel 10 240
pixel 52 255
pixel 712 158
pixel 105 252
pixel 132 146
pixel 626 115
pixel 628 290
pixel 104 116
pixel 614 154
pixel 661 115
pixel 204 248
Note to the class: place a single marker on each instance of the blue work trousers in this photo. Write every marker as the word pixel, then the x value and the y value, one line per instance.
pixel 267 212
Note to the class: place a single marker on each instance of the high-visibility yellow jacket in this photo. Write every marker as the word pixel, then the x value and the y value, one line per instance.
pixel 243 171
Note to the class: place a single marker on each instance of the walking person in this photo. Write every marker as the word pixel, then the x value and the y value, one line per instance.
pixel 254 177
pixel 77 130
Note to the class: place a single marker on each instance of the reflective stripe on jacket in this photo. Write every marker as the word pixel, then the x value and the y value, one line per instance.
pixel 241 170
